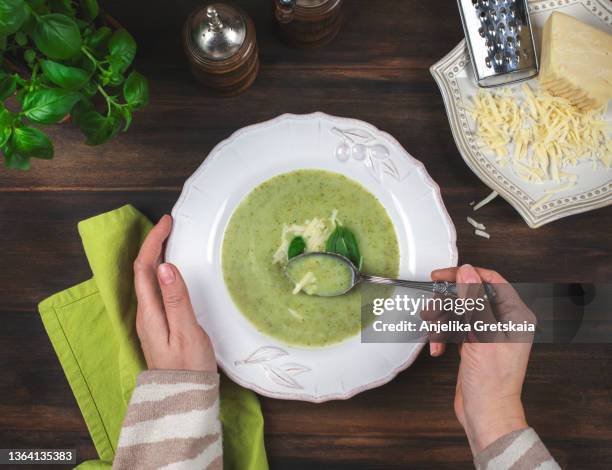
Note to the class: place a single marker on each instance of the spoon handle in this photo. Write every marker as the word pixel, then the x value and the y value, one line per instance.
pixel 448 289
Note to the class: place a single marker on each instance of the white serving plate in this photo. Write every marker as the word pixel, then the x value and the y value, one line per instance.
pixel 455 78
pixel 232 170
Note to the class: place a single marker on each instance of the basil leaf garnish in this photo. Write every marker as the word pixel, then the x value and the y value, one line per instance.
pixel 296 247
pixel 343 242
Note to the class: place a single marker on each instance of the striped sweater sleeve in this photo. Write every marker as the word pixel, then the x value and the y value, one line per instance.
pixel 172 423
pixel 518 450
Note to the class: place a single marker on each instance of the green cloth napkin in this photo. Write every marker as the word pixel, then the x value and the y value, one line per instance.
pixel 92 328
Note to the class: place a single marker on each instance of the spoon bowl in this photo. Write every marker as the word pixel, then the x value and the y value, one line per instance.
pixel 323 267
pixel 308 265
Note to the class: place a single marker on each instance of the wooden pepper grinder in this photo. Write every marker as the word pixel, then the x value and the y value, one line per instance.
pixel 220 44
pixel 308 23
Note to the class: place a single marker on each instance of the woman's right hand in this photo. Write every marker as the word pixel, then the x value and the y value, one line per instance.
pixel 169 333
pixel 491 375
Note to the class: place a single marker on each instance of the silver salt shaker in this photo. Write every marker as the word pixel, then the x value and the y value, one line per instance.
pixel 500 40
pixel 220 43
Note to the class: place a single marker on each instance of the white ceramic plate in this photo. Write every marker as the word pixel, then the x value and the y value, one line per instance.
pixel 248 158
pixel 455 78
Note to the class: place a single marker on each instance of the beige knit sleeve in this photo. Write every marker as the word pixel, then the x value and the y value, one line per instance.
pixel 172 422
pixel 518 450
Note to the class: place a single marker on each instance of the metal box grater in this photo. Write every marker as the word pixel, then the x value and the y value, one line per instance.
pixel 500 40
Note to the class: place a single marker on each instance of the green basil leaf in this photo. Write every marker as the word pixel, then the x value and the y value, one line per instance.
pixel 57 36
pixel 99 38
pixel 21 38
pixel 330 245
pixel 341 247
pixel 82 24
pixel 49 105
pixel 36 4
pixel 296 247
pixel 122 48
pixel 91 88
pixel 6 126
pixel 126 113
pixel 29 55
pixel 97 128
pixel 21 92
pixel 29 24
pixel 13 13
pixel 116 79
pixel 352 247
pixel 8 85
pixel 62 6
pixel 136 90
pixel 343 242
pixel 79 110
pixel 15 160
pixel 5 135
pixel 71 78
pixel 90 9
pixel 32 142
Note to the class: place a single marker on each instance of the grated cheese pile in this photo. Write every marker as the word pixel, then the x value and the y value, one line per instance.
pixel 315 233
pixel 541 135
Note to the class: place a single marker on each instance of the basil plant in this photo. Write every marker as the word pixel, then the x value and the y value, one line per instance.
pixel 72 64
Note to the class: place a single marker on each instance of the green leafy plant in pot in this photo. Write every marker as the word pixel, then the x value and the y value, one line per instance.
pixel 74 65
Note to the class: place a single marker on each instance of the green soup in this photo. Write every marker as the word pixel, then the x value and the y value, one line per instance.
pixel 330 275
pixel 260 288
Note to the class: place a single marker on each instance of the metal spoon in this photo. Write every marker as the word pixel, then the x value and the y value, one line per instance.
pixel 444 288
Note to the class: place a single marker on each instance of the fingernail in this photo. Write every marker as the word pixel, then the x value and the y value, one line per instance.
pixel 166 274
pixel 468 274
pixel 434 349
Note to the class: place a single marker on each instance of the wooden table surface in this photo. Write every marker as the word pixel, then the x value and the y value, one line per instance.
pixel 376 70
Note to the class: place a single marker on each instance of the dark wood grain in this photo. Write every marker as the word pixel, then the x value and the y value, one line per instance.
pixel 377 69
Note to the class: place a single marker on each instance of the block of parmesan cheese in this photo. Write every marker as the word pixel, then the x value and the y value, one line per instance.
pixel 576 62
